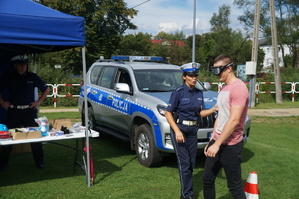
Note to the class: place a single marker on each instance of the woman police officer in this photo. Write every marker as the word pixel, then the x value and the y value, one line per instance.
pixel 187 103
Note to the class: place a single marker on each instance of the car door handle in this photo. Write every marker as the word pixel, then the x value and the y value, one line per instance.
pixel 94 92
pixel 110 97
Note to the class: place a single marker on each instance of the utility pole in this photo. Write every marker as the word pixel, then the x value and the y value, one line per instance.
pixel 254 51
pixel 275 53
pixel 194 29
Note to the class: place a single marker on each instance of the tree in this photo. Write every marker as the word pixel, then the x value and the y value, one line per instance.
pixel 223 39
pixel 221 20
pixel 105 22
pixel 173 53
pixel 287 23
pixel 231 42
pixel 135 44
pixel 179 36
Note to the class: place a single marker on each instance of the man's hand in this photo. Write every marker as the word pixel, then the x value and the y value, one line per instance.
pixel 212 150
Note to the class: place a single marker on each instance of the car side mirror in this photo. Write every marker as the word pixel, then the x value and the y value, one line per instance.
pixel 207 85
pixel 122 87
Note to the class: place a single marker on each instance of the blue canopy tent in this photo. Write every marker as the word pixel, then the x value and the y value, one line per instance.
pixel 27 27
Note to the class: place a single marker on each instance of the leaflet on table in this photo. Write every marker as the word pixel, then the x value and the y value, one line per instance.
pixel 77 128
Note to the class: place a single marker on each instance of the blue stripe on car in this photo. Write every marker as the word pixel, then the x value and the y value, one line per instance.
pixel 132 107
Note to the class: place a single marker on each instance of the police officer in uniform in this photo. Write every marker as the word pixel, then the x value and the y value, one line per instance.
pixel 185 105
pixel 21 105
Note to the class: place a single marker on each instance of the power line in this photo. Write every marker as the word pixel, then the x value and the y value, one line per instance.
pixel 141 4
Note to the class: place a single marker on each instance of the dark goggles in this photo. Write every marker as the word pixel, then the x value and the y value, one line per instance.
pixel 219 69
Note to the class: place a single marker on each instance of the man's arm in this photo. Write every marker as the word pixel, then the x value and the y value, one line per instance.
pixel 233 121
pixel 41 99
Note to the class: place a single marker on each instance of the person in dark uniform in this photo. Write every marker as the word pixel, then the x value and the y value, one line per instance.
pixel 187 103
pixel 21 105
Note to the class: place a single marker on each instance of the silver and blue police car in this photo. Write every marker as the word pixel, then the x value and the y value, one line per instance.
pixel 127 97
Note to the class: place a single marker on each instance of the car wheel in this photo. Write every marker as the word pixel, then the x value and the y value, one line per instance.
pixel 146 150
pixel 91 120
pixel 83 117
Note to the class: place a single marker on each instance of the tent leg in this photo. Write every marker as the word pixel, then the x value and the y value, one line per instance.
pixel 86 118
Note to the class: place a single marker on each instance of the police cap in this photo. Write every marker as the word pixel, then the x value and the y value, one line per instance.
pixel 190 68
pixel 20 59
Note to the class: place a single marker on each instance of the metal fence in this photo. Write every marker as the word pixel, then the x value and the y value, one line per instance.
pixel 56 89
pixel 259 89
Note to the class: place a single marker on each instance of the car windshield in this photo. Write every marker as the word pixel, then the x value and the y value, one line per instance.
pixel 160 80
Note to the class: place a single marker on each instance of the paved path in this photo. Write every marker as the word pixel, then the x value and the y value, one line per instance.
pixel 274 112
pixel 52 110
pixel 251 112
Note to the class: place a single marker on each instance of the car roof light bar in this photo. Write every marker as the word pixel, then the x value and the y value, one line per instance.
pixel 137 58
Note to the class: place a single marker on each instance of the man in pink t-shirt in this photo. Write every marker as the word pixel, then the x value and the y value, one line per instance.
pixel 225 146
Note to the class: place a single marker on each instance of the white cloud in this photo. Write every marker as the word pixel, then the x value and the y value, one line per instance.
pixel 169 27
pixel 177 15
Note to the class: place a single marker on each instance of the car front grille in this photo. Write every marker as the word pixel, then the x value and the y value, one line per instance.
pixel 207 122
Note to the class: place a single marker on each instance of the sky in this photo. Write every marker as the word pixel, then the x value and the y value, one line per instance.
pixel 177 15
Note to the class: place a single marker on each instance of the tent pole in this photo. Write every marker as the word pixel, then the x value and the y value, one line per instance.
pixel 86 117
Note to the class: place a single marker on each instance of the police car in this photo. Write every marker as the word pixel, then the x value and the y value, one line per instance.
pixel 127 97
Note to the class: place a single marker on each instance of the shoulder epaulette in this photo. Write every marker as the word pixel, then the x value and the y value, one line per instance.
pixel 179 88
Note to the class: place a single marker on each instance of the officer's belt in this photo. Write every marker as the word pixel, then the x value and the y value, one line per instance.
pixel 19 106
pixel 187 122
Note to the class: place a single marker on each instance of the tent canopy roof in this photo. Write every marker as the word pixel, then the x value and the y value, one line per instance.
pixel 29 27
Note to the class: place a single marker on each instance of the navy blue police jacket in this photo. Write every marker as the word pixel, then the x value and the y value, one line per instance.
pixel 186 103
pixel 21 88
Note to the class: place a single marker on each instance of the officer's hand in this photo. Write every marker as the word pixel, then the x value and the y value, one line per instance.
pixel 5 104
pixel 215 108
pixel 179 137
pixel 34 104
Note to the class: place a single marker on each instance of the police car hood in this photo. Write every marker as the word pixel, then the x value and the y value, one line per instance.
pixel 210 97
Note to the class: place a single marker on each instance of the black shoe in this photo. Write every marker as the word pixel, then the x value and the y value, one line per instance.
pixel 40 166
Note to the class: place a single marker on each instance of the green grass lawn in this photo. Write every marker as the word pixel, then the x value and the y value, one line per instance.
pixel 272 152
pixel 62 115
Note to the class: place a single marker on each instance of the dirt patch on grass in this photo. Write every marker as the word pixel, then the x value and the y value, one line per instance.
pixel 274 112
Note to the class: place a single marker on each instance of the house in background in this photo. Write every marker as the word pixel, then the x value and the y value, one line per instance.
pixel 165 42
pixel 268 50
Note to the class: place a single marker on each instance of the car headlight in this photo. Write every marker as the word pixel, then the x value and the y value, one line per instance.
pixel 161 109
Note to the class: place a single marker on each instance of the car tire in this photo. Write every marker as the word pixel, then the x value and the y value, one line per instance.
pixel 146 150
pixel 91 119
pixel 83 117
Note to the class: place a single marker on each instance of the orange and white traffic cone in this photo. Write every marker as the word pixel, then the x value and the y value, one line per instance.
pixel 251 187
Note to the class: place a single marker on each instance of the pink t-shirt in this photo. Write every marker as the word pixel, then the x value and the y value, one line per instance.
pixel 234 94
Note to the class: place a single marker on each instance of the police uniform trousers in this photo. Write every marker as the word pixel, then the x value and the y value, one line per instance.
pixel 186 157
pixel 18 118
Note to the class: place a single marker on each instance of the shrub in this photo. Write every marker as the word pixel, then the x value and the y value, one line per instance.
pixel 59 76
